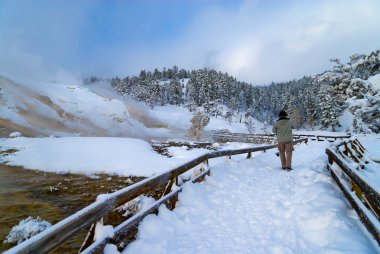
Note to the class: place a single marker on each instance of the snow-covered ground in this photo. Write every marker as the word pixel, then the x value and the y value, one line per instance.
pixel 245 206
pixel 251 206
pixel 96 155
pixel 372 146
pixel 122 156
pixel 93 155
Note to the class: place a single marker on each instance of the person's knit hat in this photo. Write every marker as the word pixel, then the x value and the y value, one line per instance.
pixel 283 114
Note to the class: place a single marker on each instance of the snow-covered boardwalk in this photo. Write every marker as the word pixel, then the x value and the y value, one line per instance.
pixel 251 206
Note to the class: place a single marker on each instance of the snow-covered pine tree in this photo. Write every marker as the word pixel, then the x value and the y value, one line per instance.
pixel 311 107
pixel 192 92
pixel 330 111
pixel 155 94
pixel 116 84
pixel 175 92
pixel 157 75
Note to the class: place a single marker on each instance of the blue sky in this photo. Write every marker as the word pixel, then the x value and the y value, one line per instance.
pixel 256 41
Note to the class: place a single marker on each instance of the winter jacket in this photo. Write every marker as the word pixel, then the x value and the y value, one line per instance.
pixel 283 129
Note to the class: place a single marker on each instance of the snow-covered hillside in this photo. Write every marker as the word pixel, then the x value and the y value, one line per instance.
pixel 45 109
pixel 59 109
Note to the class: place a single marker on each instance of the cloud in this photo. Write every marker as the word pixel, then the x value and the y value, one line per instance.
pixel 256 41
pixel 39 40
pixel 275 44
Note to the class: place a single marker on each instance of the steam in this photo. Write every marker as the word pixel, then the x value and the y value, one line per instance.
pixel 31 110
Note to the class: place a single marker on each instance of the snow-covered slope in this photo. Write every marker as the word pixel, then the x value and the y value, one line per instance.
pixel 45 109
pixel 93 155
pixel 59 109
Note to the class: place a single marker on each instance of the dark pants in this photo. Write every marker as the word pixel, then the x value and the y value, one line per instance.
pixel 286 149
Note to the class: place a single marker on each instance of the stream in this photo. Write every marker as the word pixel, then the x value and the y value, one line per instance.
pixel 50 196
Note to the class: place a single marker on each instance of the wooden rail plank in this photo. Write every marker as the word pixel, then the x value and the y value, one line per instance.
pixel 201 176
pixel 244 137
pixel 364 217
pixel 122 230
pixel 366 188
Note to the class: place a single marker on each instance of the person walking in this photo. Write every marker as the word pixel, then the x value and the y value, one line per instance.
pixel 283 130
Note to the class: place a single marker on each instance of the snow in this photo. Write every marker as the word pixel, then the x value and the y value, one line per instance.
pixel 179 118
pixel 136 205
pixel 110 249
pixel 251 206
pixel 93 155
pixel 372 146
pixel 370 173
pixel 173 116
pixel 346 120
pixel 97 155
pixel 103 231
pixel 375 81
pixel 15 134
pixel 26 229
pixel 73 110
pixel 219 123
pixel 245 206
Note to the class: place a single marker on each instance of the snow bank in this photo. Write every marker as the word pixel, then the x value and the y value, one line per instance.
pixel 26 229
pixel 93 155
pixel 103 231
pixel 15 135
pixel 372 146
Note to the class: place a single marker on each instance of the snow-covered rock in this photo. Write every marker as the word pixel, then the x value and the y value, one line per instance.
pixel 26 229
pixel 15 134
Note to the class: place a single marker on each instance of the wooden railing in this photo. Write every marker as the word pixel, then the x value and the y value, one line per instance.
pixel 322 137
pixel 345 161
pixel 265 138
pixel 54 236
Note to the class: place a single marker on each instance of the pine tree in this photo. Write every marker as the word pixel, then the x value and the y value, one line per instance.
pixel 329 109
pixel 175 91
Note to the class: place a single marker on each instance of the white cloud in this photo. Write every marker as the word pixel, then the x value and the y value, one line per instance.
pixel 280 44
pixel 39 41
pixel 257 42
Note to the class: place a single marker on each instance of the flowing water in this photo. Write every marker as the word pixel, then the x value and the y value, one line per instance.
pixel 50 196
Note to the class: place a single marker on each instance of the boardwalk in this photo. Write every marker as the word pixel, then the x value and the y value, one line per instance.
pixel 251 206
